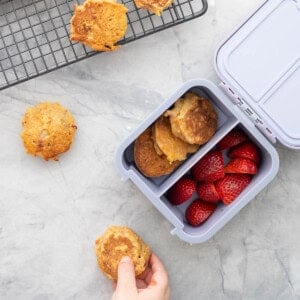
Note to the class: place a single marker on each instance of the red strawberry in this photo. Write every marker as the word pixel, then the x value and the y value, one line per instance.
pixel 207 192
pixel 181 191
pixel 246 150
pixel 199 211
pixel 233 138
pixel 210 167
pixel 231 186
pixel 241 165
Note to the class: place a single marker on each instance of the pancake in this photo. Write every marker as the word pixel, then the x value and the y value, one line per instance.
pixel 99 24
pixel 193 119
pixel 119 241
pixel 173 147
pixel 157 149
pixel 154 6
pixel 146 158
pixel 48 130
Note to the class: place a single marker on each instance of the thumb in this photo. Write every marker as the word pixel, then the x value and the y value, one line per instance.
pixel 126 276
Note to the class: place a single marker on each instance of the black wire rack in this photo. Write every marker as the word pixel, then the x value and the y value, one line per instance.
pixel 34 34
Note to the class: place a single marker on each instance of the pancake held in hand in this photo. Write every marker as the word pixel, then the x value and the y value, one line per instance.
pixel 173 147
pixel 193 119
pixel 154 6
pixel 119 241
pixel 99 24
pixel 147 160
pixel 48 130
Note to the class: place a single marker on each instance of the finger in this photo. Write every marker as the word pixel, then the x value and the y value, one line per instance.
pixel 156 264
pixel 141 284
pixel 148 277
pixel 126 276
pixel 167 294
pixel 160 275
pixel 145 273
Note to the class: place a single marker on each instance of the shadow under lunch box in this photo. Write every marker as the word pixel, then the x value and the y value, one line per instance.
pixel 259 68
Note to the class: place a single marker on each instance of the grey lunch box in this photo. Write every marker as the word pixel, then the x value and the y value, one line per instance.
pixel 259 68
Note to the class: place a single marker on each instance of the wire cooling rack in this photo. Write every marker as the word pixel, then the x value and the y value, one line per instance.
pixel 34 34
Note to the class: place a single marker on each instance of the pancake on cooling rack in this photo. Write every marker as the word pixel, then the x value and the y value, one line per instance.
pixel 154 6
pixel 99 24
pixel 119 241
pixel 170 145
pixel 146 158
pixel 193 119
pixel 48 130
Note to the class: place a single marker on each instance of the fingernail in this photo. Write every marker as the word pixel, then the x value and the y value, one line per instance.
pixel 125 259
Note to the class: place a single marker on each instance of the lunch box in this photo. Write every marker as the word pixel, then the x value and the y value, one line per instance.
pixel 259 68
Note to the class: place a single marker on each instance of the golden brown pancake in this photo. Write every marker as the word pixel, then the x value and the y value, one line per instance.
pixel 157 149
pixel 119 241
pixel 154 6
pixel 99 24
pixel 173 147
pixel 48 130
pixel 193 119
pixel 146 158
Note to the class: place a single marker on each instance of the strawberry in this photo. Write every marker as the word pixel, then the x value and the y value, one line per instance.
pixel 210 167
pixel 233 138
pixel 231 186
pixel 199 211
pixel 181 191
pixel 207 192
pixel 241 165
pixel 246 150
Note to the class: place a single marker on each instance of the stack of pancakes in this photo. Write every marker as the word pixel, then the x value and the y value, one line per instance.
pixel 179 131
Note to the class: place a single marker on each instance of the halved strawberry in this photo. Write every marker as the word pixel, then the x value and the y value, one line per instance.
pixel 207 192
pixel 199 211
pixel 233 138
pixel 241 165
pixel 181 191
pixel 210 167
pixel 231 186
pixel 246 150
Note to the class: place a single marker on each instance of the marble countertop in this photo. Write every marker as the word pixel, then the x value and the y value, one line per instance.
pixel 51 212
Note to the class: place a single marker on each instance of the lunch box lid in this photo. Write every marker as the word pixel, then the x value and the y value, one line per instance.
pixel 259 65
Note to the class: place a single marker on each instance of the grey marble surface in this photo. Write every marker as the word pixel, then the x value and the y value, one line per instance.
pixel 51 212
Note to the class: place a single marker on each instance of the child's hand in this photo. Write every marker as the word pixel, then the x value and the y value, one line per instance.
pixel 151 285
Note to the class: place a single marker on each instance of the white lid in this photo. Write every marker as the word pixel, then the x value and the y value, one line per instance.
pixel 260 61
